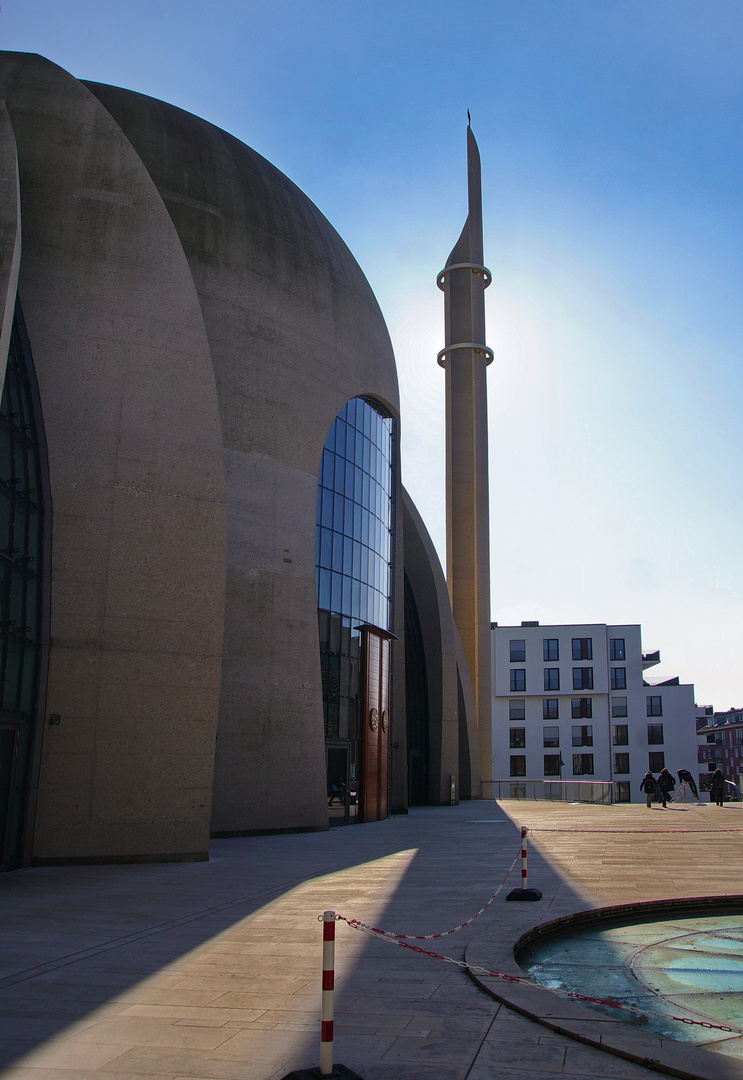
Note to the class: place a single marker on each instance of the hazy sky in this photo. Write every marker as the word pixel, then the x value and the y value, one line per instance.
pixel 611 135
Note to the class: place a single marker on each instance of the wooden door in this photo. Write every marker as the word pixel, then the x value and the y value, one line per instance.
pixel 375 743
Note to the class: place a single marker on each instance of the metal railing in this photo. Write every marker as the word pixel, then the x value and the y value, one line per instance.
pixel 586 791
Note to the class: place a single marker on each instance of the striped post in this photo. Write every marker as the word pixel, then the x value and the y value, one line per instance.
pixel 524 831
pixel 328 982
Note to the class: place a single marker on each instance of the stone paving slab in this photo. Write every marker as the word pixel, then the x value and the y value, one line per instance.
pixel 210 971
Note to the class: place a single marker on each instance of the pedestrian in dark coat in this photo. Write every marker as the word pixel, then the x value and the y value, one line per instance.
pixel 685 777
pixel 648 785
pixel 666 783
pixel 718 786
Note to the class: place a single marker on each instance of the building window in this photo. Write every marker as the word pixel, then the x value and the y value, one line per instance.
pixel 655 734
pixel 621 763
pixel 551 736
pixel 619 678
pixel 550 708
pixel 582 708
pixel 518 679
pixel 517 737
pixel 710 738
pixel 551 647
pixel 582 648
pixel 518 652
pixel 354 553
pixel 551 764
pixel 616 648
pixel 655 705
pixel 583 736
pixel 621 791
pixel 656 761
pixel 620 734
pixel 517 709
pixel 619 706
pixel 518 765
pixel 551 678
pixel 739 736
pixel 582 764
pixel 582 678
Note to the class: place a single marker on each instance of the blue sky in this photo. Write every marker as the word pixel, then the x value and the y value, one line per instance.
pixel 611 139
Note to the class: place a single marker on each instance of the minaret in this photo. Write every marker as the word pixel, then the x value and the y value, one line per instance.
pixel 463 282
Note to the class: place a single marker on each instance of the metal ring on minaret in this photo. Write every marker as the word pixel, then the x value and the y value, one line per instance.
pixel 489 357
pixel 474 267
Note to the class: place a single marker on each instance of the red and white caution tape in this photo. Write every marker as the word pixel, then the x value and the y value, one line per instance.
pixel 390 934
pixel 526 981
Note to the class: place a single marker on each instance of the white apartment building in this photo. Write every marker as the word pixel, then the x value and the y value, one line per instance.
pixel 573 703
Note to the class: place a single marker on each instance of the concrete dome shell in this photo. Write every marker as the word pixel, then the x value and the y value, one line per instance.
pixel 136 485
pixel 247 230
pixel 294 331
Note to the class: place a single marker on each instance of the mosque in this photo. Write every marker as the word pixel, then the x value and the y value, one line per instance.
pixel 221 612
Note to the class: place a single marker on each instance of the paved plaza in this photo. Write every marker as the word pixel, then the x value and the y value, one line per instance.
pixel 211 971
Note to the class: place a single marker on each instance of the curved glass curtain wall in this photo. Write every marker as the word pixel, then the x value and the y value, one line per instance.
pixel 355 509
pixel 21 534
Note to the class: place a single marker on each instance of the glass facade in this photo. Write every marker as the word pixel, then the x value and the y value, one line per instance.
pixel 21 534
pixel 355 518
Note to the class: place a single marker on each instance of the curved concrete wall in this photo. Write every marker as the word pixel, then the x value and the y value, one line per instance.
pixel 137 484
pixel 294 332
pixel 452 716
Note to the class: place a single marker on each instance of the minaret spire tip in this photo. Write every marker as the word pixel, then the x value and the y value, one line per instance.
pixel 469 119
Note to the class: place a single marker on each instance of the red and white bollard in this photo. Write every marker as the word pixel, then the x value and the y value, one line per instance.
pixel 338 1072
pixel 328 984
pixel 524 893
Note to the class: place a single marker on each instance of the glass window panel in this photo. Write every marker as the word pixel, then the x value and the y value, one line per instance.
pixel 358 484
pixel 517 709
pixel 338 505
pixel 326 547
pixel 340 438
pixel 323 599
pixel 346 595
pixel 348 518
pixel 336 592
pixel 350 479
pixel 347 555
pixel 337 564
pixel 517 650
pixel 356 601
pixel 327 509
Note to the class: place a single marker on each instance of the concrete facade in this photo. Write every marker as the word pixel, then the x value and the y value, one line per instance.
pixel 196 325
pixel 623 706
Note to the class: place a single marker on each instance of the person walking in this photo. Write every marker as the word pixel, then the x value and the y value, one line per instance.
pixel 648 785
pixel 666 783
pixel 717 787
pixel 685 777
